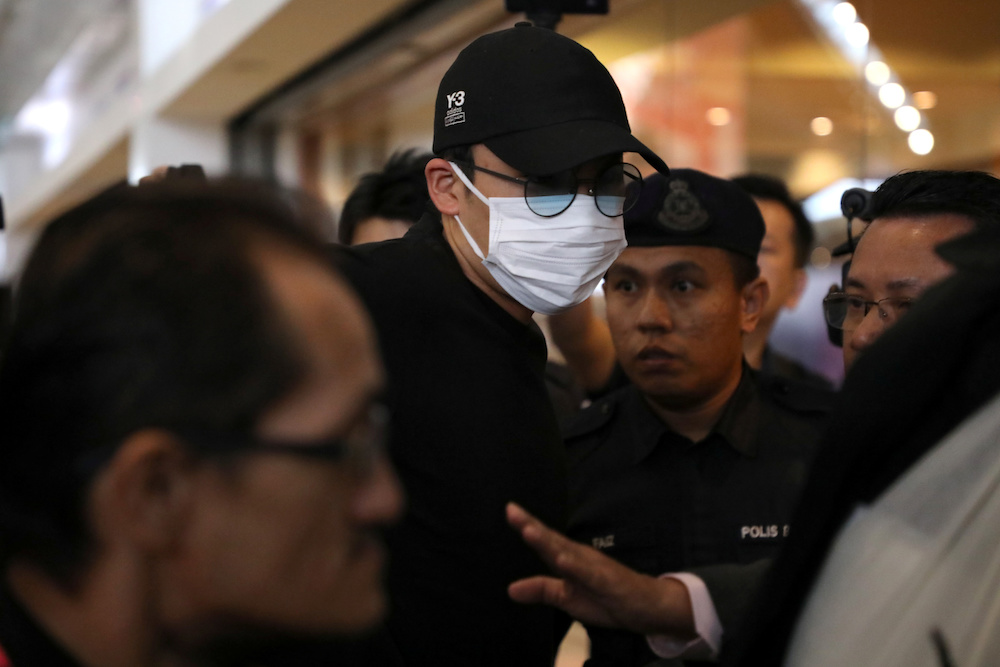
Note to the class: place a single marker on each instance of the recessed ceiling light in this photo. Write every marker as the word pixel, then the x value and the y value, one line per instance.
pixel 857 34
pixel 844 13
pixel 924 99
pixel 907 118
pixel 892 95
pixel 921 142
pixel 877 73
pixel 821 126
pixel 718 116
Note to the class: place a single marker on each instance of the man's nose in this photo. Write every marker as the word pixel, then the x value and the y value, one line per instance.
pixel 655 313
pixel 867 332
pixel 379 497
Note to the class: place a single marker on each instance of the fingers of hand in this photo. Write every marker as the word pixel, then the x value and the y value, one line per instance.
pixel 537 590
pixel 549 544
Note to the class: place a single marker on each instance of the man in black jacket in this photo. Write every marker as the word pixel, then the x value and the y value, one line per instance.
pixel 528 188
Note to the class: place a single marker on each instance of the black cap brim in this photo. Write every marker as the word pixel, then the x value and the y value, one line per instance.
pixel 554 148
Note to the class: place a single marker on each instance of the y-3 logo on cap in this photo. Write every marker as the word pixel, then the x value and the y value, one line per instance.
pixel 455 114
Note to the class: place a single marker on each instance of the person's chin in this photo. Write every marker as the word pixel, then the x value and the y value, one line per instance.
pixel 358 612
pixel 364 599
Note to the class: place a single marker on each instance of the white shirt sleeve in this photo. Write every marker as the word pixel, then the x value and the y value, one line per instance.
pixel 706 623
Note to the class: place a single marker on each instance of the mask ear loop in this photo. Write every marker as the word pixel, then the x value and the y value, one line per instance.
pixel 468 237
pixel 465 179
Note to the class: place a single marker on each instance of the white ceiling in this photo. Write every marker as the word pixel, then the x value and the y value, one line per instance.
pixel 34 36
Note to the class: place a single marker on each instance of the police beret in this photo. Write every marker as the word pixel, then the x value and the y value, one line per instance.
pixel 691 208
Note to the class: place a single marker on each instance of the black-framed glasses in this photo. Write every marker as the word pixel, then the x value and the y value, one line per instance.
pixel 615 190
pixel 846 311
pixel 359 449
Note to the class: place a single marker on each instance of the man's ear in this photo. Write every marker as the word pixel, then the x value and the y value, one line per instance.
pixel 145 493
pixel 443 186
pixel 753 297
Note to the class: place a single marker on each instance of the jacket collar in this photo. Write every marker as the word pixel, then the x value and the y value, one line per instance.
pixel 738 425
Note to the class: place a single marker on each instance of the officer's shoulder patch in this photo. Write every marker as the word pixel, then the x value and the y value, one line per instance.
pixel 799 396
pixel 589 420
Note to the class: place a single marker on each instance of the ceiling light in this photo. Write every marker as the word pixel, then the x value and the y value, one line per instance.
pixel 856 34
pixel 921 142
pixel 718 116
pixel 877 73
pixel 892 95
pixel 907 118
pixel 821 126
pixel 924 99
pixel 45 116
pixel 844 13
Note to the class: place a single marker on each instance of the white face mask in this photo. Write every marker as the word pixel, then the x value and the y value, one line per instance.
pixel 547 264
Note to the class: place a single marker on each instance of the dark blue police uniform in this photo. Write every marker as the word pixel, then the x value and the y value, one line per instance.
pixel 658 502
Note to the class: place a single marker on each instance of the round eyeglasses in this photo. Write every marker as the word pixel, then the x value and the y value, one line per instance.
pixel 846 311
pixel 615 190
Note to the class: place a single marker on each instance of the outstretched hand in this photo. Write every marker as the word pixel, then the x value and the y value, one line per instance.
pixel 596 589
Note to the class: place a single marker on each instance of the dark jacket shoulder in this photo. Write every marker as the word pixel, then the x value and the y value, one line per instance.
pixel 778 365
pixel 801 397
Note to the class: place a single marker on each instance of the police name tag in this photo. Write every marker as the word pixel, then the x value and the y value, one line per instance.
pixel 605 542
pixel 763 532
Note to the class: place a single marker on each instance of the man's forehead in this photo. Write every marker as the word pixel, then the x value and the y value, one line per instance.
pixel 899 252
pixel 777 218
pixel 669 258
pixel 917 234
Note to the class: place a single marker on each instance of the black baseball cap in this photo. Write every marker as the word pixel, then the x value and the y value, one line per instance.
pixel 540 101
pixel 691 208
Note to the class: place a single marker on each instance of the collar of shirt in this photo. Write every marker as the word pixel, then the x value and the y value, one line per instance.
pixel 737 426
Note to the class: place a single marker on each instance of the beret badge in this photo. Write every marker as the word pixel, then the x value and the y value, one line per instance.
pixel 681 211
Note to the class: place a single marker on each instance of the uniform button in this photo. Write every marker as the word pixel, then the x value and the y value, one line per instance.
pixel 605 408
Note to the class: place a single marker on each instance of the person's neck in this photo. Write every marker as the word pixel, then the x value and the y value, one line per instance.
pixel 459 245
pixel 695 421
pixel 755 342
pixel 102 621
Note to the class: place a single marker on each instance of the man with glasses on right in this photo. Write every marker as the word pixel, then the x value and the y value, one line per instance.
pixel 895 259
pixel 931 248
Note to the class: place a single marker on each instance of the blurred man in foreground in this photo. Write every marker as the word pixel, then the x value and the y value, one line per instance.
pixel 190 470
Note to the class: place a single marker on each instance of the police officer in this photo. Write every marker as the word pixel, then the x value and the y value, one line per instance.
pixel 695 463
